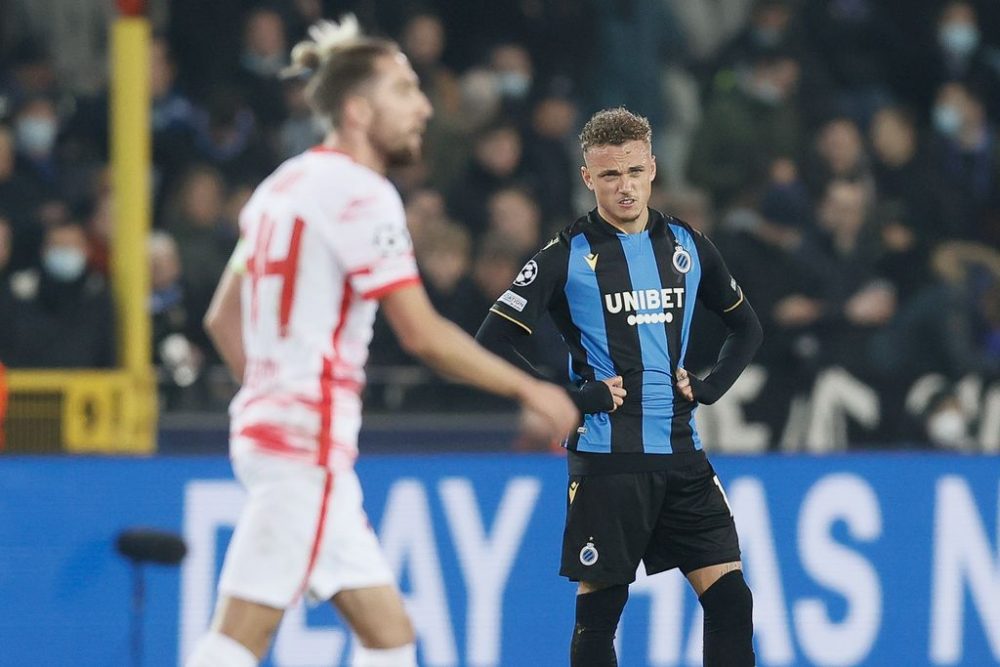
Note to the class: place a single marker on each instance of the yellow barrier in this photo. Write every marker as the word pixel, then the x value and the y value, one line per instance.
pixel 81 412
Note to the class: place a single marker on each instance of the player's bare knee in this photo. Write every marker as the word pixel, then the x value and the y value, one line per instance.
pixel 252 625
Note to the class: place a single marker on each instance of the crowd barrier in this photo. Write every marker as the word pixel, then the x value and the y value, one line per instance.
pixel 854 560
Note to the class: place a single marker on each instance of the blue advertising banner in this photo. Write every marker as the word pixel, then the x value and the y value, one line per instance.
pixel 854 560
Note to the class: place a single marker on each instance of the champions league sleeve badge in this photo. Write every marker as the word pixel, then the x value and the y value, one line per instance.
pixel 681 259
pixel 526 275
pixel 588 554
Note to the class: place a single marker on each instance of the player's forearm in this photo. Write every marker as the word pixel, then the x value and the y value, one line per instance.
pixel 230 348
pixel 745 336
pixel 223 323
pixel 501 337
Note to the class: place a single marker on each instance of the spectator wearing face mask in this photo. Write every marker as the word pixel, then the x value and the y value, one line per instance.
pixel 61 315
pixel 36 128
pixel 959 54
pixel 966 163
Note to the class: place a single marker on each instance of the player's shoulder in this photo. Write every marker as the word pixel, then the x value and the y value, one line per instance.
pixel 351 174
pixel 685 232
pixel 677 225
pixel 560 242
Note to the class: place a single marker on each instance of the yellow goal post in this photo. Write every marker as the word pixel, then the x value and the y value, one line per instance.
pixel 114 410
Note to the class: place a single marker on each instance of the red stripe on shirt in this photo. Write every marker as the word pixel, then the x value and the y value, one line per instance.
pixel 270 437
pixel 382 291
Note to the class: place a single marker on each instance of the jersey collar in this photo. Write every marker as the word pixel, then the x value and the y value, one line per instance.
pixel 656 225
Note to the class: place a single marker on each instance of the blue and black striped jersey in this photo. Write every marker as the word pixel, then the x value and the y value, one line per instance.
pixel 624 305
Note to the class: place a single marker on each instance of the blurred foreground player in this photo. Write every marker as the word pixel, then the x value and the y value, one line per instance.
pixel 620 284
pixel 323 243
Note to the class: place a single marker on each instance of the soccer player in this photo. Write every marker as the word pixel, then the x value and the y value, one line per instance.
pixel 620 284
pixel 323 244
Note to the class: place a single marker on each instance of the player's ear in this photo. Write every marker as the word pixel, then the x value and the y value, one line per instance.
pixel 587 180
pixel 358 110
pixel 652 166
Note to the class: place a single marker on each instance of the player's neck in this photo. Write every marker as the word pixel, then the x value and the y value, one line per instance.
pixel 358 149
pixel 632 227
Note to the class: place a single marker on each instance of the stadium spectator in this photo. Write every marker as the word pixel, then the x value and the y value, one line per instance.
pixel 839 154
pixel 61 315
pixel 960 54
pixel 516 216
pixel 903 179
pixel 228 137
pixel 263 57
pixel 172 118
pixel 745 128
pixel 855 299
pixel 205 239
pixel 176 356
pixel 966 163
pixel 857 44
pixel 547 156
pixel 496 163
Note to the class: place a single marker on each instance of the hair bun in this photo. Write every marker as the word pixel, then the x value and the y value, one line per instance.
pixel 327 37
pixel 305 56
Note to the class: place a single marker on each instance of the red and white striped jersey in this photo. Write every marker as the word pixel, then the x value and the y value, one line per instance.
pixel 322 239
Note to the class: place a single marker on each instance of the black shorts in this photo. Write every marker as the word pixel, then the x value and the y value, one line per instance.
pixel 666 518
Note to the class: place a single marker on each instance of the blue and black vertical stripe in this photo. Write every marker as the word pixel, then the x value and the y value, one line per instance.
pixel 645 351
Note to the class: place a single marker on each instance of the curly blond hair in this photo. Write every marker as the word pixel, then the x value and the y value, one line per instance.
pixel 614 127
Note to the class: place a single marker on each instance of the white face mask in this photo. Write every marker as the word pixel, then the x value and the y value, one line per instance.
pixel 947 119
pixel 958 39
pixel 64 264
pixel 513 84
pixel 36 136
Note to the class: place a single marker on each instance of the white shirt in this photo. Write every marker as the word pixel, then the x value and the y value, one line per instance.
pixel 322 238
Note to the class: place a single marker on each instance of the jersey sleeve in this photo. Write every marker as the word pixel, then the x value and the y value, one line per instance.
pixel 718 290
pixel 370 239
pixel 529 295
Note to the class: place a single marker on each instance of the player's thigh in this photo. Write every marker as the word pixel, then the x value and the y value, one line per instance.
pixel 695 528
pixel 269 557
pixel 250 623
pixel 703 578
pixel 349 557
pixel 376 614
pixel 609 521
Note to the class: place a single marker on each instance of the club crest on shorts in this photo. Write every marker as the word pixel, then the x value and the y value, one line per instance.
pixel 681 260
pixel 588 554
pixel 526 276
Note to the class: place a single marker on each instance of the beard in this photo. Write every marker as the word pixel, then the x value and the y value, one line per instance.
pixel 401 156
pixel 399 153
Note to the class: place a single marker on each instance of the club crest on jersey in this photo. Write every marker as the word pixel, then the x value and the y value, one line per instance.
pixel 681 260
pixel 527 275
pixel 588 554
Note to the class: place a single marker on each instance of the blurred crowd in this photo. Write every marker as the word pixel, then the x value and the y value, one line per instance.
pixel 843 154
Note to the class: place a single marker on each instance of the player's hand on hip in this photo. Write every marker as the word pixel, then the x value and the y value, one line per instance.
pixel 684 384
pixel 618 393
pixel 559 415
